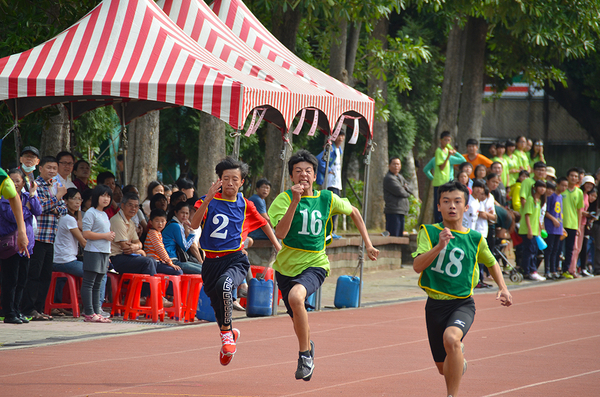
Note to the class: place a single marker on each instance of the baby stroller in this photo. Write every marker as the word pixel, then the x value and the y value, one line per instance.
pixel 513 272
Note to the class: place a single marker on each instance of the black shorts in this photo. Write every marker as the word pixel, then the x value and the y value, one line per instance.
pixel 441 314
pixel 311 278
pixel 234 265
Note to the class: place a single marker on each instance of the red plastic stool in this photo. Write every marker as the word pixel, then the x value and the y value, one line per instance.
pixel 269 276
pixel 122 294
pixel 133 307
pixel 191 284
pixel 176 311
pixel 114 279
pixel 74 285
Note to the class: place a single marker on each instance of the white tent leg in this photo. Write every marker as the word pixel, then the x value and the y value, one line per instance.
pixel 361 253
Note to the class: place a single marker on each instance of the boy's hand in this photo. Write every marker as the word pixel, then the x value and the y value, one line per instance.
pixel 529 235
pixel 372 253
pixel 445 237
pixel 504 297
pixel 297 191
pixel 214 189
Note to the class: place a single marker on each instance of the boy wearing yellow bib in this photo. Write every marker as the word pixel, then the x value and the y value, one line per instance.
pixel 302 220
pixel 447 257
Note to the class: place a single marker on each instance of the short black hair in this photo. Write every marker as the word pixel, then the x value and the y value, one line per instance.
pixel 63 154
pixel 510 143
pixel 444 134
pixel 500 144
pixel 48 159
pixel 100 190
pixel 180 205
pixel 393 158
pixel 300 156
pixel 523 172
pixel 550 185
pixel 103 176
pixel 573 169
pixel 71 192
pixel 491 175
pixel 86 195
pixel 176 196
pixel 497 162
pixel 262 181
pixel 463 165
pixel 451 187
pixel 79 162
pixel 229 163
pixel 535 186
pixel 183 183
pixel 129 188
pixel 156 198
pixel 539 164
pixel 472 141
pixel 157 212
pixel 561 179
pixel 478 183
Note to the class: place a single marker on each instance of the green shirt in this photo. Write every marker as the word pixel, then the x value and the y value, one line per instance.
pixel 455 271
pixel 523 160
pixel 512 163
pixel 526 187
pixel 504 174
pixel 307 227
pixel 572 203
pixel 533 208
pixel 441 176
pixel 7 187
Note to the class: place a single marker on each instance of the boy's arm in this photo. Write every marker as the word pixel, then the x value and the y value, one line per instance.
pixel 283 227
pixel 428 167
pixel 503 295
pixel 199 215
pixel 372 252
pixel 424 260
pixel 17 209
pixel 269 232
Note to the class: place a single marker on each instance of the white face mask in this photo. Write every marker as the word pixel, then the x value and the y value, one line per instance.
pixel 28 170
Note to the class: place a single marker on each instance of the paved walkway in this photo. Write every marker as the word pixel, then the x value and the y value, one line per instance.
pixel 380 287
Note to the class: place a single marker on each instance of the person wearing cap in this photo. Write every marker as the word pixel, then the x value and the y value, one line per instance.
pixel 30 158
pixel 587 184
pixel 550 174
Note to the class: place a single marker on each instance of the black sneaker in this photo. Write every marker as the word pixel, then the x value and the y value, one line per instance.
pixel 306 365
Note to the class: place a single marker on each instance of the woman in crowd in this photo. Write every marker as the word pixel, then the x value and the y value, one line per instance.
pixel 159 201
pixel 480 172
pixel 179 234
pixel 537 152
pixel 15 267
pixel 153 188
pixel 588 184
pixel 81 172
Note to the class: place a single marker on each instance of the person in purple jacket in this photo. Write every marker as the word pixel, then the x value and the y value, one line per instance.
pixel 553 223
pixel 15 267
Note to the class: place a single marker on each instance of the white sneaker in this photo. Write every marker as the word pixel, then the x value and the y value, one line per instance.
pixel 537 277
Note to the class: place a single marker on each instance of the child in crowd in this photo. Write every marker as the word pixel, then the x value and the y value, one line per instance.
pixel 468 168
pixel 227 218
pixel 530 228
pixel 154 247
pixel 572 206
pixel 96 230
pixel 486 214
pixel 441 169
pixel 553 224
pixel 302 219
pixel 512 163
pixel 463 177
pixel 515 192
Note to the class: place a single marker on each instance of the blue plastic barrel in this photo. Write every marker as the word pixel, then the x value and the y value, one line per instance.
pixel 205 310
pixel 260 298
pixel 346 291
pixel 311 300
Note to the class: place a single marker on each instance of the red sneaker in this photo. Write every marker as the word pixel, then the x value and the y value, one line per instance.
pixel 228 338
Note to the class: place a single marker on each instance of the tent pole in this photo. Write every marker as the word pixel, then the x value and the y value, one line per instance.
pixel 361 253
pixel 17 134
pixel 327 157
pixel 236 145
pixel 124 145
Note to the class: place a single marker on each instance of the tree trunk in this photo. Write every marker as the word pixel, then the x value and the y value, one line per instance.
pixel 470 120
pixel 286 24
pixel 337 53
pixel 379 159
pixel 453 73
pixel 55 135
pixel 211 150
pixel 351 48
pixel 142 152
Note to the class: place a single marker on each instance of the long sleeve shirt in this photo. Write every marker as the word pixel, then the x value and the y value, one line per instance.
pixel 173 236
pixel 154 247
pixel 52 209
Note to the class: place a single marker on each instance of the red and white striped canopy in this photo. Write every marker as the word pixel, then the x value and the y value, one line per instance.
pixel 343 99
pixel 129 50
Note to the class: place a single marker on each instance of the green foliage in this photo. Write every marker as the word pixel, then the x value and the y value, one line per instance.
pixel 411 221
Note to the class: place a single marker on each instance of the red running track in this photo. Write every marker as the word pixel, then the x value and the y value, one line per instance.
pixel 546 344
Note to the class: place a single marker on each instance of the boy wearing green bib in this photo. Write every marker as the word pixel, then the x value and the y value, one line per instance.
pixel 447 257
pixel 302 220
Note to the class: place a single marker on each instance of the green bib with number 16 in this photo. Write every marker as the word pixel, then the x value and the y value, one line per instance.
pixel 453 271
pixel 311 224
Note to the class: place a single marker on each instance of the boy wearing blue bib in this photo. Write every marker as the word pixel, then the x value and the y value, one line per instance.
pixel 447 257
pixel 302 220
pixel 227 218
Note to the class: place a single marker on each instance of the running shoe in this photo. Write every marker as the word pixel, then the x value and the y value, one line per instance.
pixel 585 273
pixel 537 277
pixel 465 365
pixel 228 338
pixel 306 365
pixel 567 275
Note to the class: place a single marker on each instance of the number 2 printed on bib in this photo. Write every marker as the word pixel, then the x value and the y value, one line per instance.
pixel 454 266
pixel 222 221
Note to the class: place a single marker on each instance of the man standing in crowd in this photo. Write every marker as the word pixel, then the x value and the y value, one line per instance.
pixel 334 174
pixel 30 158
pixel 40 267
pixel 441 170
pixel 473 156
pixel 65 167
pixel 395 194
